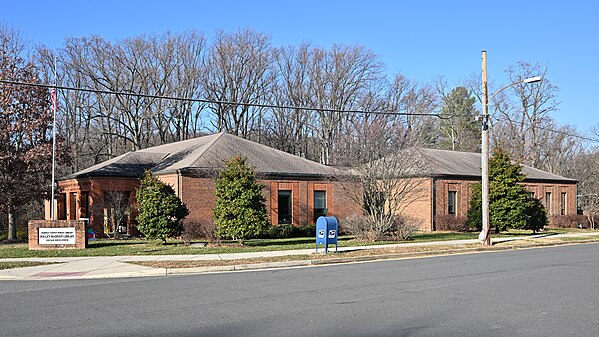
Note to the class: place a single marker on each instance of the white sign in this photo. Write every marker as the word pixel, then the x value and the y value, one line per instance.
pixel 332 233
pixel 321 233
pixel 57 236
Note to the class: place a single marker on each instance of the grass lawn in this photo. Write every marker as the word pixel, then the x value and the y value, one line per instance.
pixel 107 247
pixel 21 264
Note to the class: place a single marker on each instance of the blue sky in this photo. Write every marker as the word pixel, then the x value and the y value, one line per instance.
pixel 422 39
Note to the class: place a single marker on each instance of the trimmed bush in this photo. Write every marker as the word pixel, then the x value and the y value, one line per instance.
pixel 195 230
pixel 451 223
pixel 569 221
pixel 240 212
pixel 160 209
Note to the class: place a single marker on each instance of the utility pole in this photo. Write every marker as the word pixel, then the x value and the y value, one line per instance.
pixel 484 234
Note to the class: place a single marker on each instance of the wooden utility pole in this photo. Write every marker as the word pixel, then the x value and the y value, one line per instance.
pixel 484 234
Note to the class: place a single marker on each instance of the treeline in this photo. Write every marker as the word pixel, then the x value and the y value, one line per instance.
pixel 350 100
pixel 333 105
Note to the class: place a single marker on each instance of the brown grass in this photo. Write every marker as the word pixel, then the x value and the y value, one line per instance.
pixel 372 254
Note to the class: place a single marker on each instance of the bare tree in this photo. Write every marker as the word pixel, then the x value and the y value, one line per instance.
pixel 521 120
pixel 586 171
pixel 25 137
pixel 385 178
pixel 337 79
pixel 290 129
pixel 116 209
pixel 236 70
pixel 415 99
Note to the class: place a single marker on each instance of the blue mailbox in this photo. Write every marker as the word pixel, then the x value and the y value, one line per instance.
pixel 327 228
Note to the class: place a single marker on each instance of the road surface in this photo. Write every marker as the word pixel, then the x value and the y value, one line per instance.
pixel 534 292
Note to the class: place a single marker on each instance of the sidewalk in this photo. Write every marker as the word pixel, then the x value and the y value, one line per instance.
pixel 117 266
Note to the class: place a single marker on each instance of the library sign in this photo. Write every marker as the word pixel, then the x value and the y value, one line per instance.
pixel 57 236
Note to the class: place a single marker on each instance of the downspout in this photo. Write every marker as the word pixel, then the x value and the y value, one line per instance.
pixel 433 203
pixel 179 179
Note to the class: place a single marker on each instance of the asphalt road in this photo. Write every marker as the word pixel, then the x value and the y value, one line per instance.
pixel 536 292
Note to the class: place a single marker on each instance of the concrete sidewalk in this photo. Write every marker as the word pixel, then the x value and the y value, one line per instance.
pixel 117 266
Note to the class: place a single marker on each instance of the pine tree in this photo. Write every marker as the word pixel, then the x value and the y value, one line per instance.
pixel 510 205
pixel 240 212
pixel 458 129
pixel 160 209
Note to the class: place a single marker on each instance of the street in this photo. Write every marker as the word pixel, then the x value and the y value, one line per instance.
pixel 534 292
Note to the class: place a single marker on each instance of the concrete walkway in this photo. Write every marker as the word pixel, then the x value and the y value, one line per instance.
pixel 117 266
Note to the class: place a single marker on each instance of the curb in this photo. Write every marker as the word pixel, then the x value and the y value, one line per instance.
pixel 393 256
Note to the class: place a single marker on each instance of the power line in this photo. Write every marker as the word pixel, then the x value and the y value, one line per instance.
pixel 594 140
pixel 203 100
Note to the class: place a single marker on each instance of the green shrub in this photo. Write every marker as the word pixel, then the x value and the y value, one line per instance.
pixel 160 209
pixel 509 203
pixel 289 231
pixel 240 212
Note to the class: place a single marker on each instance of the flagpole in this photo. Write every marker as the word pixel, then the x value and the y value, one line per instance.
pixel 54 97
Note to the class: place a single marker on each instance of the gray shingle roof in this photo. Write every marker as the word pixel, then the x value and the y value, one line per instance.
pixel 206 154
pixel 130 164
pixel 203 155
pixel 468 164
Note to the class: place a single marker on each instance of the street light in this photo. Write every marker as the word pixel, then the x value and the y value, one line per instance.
pixel 484 234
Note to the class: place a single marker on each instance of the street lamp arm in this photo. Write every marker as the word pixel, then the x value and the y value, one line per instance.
pixel 526 80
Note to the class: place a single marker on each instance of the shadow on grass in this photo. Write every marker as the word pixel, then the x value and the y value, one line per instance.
pixel 286 242
pixel 113 243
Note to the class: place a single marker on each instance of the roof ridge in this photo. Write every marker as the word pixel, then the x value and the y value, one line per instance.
pixel 220 135
pixel 268 148
pixel 446 150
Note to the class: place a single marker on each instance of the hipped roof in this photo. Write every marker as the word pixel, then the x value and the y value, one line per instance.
pixel 204 155
pixel 468 164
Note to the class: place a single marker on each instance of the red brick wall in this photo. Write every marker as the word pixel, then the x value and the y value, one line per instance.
pixel 199 196
pixel 417 204
pixel 540 190
pixel 462 187
pixel 172 180
pixel 423 208
pixel 346 200
pixel 96 188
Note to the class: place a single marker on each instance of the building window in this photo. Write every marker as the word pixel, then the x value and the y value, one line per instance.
pixel 73 206
pixel 61 205
pixel 548 202
pixel 531 195
pixel 563 203
pixel 452 202
pixel 84 205
pixel 320 204
pixel 285 207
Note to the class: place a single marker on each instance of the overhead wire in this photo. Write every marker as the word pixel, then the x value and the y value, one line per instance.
pixel 204 100
pixel 594 140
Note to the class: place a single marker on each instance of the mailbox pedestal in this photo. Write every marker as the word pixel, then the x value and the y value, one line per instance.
pixel 327 229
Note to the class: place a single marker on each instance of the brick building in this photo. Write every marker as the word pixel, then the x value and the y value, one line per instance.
pixel 297 190
pixel 448 178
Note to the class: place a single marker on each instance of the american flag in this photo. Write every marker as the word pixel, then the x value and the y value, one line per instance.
pixel 53 98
